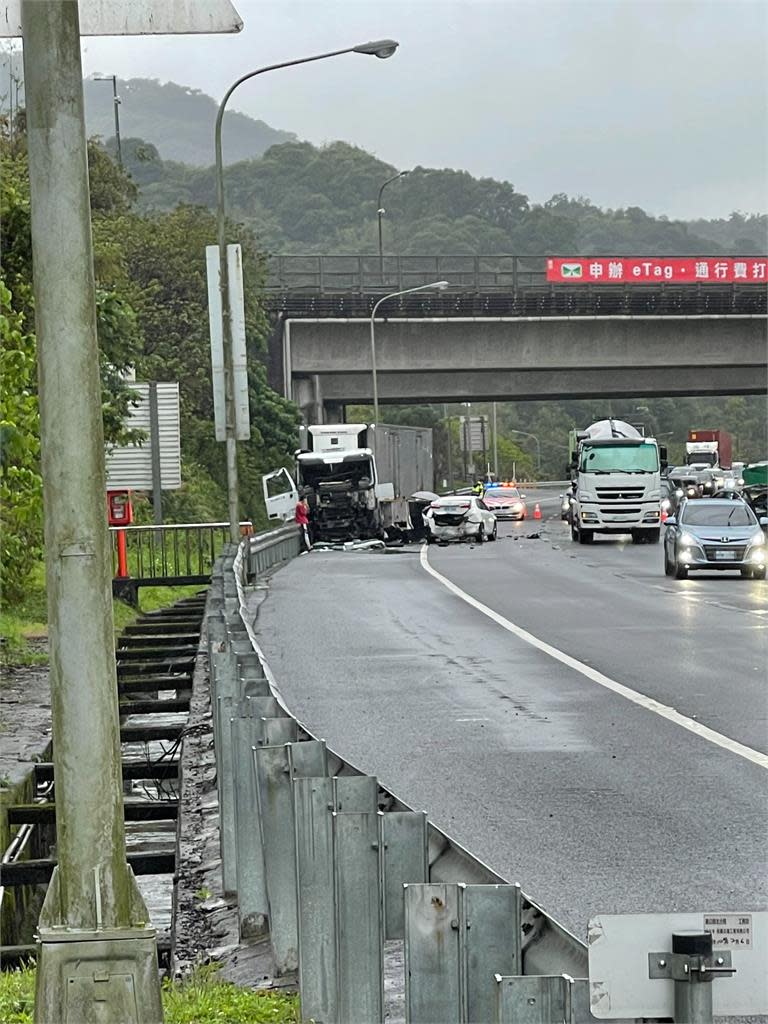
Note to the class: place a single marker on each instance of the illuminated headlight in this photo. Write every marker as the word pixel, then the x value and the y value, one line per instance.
pixel 688 540
pixel 516 507
pixel 740 481
pixel 679 492
pixel 589 517
pixel 758 540
pixel 686 556
pixel 719 480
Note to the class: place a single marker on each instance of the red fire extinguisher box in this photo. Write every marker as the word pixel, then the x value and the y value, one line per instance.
pixel 119 508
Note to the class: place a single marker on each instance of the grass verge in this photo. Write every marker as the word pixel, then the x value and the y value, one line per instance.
pixel 202 999
pixel 24 626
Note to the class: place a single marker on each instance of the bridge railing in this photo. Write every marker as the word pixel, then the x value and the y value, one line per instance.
pixel 178 553
pixel 364 273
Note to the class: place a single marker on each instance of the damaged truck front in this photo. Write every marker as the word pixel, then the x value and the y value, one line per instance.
pixel 336 471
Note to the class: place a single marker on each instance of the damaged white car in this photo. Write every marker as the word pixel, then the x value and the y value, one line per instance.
pixel 460 517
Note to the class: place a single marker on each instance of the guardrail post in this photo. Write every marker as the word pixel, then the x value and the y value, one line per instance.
pixel 541 999
pixel 273 767
pixel 434 993
pixel 406 861
pixel 492 943
pixel 313 803
pixel 359 931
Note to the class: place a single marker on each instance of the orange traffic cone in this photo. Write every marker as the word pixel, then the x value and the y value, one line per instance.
pixel 537 511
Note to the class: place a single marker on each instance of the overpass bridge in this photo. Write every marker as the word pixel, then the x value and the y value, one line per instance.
pixel 502 332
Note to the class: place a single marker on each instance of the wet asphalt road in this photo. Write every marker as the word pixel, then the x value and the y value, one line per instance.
pixel 592 803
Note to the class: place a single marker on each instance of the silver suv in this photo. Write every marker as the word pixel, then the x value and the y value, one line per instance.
pixel 715 533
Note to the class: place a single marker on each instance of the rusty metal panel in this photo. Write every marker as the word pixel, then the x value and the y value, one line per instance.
pixel 313 803
pixel 359 926
pixel 434 991
pixel 492 940
pixel 355 793
pixel 404 845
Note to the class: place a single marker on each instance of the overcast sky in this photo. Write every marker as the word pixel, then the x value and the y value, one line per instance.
pixel 655 103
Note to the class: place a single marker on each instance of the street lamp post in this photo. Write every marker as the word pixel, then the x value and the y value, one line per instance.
pixel 538 446
pixel 440 286
pixel 382 48
pixel 116 105
pixel 380 211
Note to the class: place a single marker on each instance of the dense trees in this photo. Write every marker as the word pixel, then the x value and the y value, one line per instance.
pixel 152 315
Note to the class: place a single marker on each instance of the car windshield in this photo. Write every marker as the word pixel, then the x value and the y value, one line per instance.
pixel 500 493
pixel 697 514
pixel 639 458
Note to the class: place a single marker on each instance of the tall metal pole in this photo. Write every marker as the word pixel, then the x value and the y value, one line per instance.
pixel 439 285
pixel 538 446
pixel 92 900
pixel 380 215
pixel 116 106
pixel 495 443
pixel 382 48
pixel 447 419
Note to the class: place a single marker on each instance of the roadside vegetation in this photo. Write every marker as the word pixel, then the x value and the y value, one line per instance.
pixel 201 999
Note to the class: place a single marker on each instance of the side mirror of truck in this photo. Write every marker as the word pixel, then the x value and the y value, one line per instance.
pixel 663 457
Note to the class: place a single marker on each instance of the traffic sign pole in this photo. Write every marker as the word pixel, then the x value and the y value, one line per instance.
pixel 97 955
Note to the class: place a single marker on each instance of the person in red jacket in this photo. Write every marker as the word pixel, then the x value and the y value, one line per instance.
pixel 302 519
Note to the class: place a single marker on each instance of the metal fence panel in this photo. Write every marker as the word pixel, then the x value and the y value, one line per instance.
pixel 252 906
pixel 307 759
pixel 359 932
pixel 313 803
pixel 355 793
pixel 225 784
pixel 404 845
pixel 433 988
pixel 276 819
pixel 534 999
pixel 492 937
pixel 276 731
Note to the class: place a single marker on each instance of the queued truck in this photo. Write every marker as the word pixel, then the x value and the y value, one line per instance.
pixel 362 481
pixel 709 449
pixel 615 481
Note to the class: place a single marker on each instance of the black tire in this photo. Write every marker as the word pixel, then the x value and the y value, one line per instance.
pixel 652 536
pixel 574 533
pixel 669 567
pixel 681 572
pixel 637 536
pixel 480 535
pixel 586 536
pixel 758 573
pixel 495 533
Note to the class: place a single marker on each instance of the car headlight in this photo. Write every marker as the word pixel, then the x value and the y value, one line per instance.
pixel 758 540
pixel 687 540
pixel 516 507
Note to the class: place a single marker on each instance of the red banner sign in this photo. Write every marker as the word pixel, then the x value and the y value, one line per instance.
pixel 657 270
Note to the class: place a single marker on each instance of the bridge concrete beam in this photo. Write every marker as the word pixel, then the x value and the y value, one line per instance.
pixel 524 385
pixel 483 344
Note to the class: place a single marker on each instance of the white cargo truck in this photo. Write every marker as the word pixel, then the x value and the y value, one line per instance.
pixel 357 479
pixel 616 482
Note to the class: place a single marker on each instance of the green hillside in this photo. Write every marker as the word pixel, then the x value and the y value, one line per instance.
pixel 176 119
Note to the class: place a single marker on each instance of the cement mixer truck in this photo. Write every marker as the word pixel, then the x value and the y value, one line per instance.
pixel 616 482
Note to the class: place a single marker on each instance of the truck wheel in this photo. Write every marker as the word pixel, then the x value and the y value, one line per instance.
pixel 637 536
pixel 586 536
pixel 574 533
pixel 652 536
pixel 681 572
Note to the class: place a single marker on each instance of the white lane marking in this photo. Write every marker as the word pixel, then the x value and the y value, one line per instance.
pixel 648 703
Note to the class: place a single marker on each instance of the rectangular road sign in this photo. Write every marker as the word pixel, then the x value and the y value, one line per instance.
pixel 139 17
pixel 130 466
pixel 619 944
